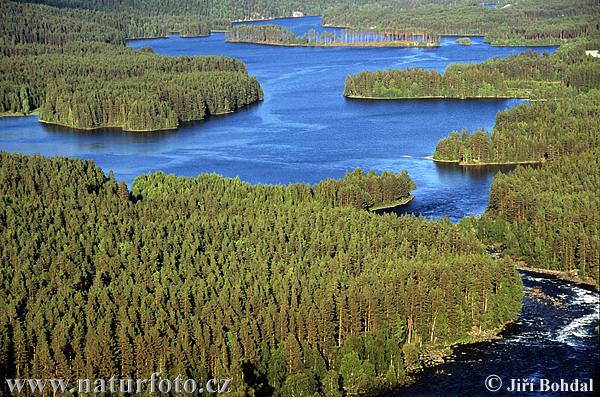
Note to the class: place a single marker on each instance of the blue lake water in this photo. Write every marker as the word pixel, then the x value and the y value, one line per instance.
pixel 304 130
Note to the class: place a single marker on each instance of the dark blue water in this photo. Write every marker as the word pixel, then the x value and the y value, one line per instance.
pixel 551 340
pixel 304 130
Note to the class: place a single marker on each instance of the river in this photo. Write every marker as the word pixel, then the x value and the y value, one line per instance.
pixel 553 339
pixel 305 131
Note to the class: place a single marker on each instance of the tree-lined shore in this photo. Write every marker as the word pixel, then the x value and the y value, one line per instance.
pixel 529 75
pixel 522 23
pixel 72 67
pixel 279 288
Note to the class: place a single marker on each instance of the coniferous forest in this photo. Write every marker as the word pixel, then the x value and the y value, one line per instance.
pixel 292 290
pixel 525 22
pixel 549 216
pixel 275 287
pixel 546 216
pixel 90 80
pixel 528 75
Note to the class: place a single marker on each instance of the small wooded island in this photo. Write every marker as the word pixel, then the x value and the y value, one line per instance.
pixel 564 120
pixel 290 290
pixel 279 35
pixel 463 41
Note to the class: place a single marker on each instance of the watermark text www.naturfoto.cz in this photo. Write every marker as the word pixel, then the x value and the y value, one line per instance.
pixel 155 384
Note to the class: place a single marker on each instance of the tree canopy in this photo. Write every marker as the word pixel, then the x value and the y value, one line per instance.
pixel 526 22
pixel 272 286
pixel 71 65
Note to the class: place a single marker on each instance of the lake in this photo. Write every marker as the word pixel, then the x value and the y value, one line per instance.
pixel 304 130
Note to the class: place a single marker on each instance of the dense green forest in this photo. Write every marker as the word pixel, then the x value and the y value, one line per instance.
pixel 564 122
pixel 527 75
pixel 72 66
pixel 530 133
pixel 525 22
pixel 549 216
pixel 366 191
pixel 546 215
pixel 283 292
pixel 278 35
pixel 214 9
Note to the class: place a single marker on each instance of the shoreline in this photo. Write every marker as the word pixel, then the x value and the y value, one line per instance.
pixel 352 45
pixel 586 283
pixel 437 355
pixel 139 130
pixel 105 126
pixel 172 33
pixel 271 18
pixel 524 45
pixel 462 163
pixel 395 204
pixel 403 98
pixel 35 112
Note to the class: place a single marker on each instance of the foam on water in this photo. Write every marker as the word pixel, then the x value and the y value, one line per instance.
pixel 581 327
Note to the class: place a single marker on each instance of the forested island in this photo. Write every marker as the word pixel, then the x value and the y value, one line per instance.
pixel 313 295
pixel 91 80
pixel 463 41
pixel 528 75
pixel 279 35
pixel 525 22
pixel 545 216
pixel 293 290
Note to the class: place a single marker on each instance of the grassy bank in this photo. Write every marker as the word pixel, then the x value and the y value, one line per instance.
pixel 394 204
pixel 35 112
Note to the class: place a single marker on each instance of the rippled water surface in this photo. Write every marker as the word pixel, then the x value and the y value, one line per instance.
pixel 304 130
pixel 551 340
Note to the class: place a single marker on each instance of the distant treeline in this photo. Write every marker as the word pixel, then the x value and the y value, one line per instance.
pixel 549 216
pixel 78 74
pixel 527 75
pixel 24 23
pixel 279 35
pixel 527 22
pixel 214 9
pixel 208 277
